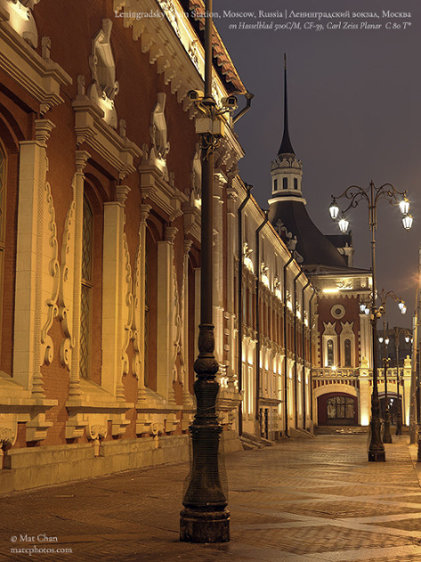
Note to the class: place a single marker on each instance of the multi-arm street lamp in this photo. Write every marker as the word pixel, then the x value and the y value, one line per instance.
pixel 353 195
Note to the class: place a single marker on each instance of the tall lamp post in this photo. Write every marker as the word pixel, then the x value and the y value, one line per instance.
pixel 353 195
pixel 205 517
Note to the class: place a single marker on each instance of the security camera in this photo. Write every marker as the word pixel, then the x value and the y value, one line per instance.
pixel 230 102
pixel 195 95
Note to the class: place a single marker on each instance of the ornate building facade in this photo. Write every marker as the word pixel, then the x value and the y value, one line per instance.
pixel 100 248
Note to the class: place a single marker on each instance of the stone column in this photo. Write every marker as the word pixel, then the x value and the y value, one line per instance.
pixel 139 321
pixel 187 397
pixel 366 339
pixel 33 166
pixel 165 312
pixel 231 290
pixel 113 304
pixel 78 190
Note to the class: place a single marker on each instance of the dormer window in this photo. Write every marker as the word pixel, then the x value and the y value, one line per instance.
pixel 285 183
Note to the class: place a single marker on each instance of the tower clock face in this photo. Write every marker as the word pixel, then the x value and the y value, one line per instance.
pixel 337 311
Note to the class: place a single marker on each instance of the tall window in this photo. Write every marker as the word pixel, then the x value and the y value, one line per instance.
pixel 285 183
pixel 86 289
pixel 295 183
pixel 329 353
pixel 275 185
pixel 347 346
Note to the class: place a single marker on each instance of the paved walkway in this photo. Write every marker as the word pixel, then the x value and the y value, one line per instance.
pixel 308 500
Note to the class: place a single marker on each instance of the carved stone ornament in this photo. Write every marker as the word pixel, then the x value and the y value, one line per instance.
pixel 97 426
pixel 127 308
pixel 104 87
pixel 160 142
pixel 51 278
pixel 197 177
pixel 8 430
pixel 66 287
pixel 21 19
pixel 169 10
pixel 329 329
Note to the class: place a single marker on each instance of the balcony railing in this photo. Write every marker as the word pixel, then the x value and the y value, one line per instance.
pixel 339 372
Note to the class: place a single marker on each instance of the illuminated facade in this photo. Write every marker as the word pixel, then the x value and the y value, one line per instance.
pixel 100 180
pixel 341 332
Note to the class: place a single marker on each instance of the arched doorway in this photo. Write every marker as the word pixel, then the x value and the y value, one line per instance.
pixel 395 406
pixel 337 408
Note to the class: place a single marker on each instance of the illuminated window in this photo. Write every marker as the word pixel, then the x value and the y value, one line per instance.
pixel 330 355
pixel 86 289
pixel 347 346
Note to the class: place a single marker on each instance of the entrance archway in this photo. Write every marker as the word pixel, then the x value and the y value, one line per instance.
pixel 337 408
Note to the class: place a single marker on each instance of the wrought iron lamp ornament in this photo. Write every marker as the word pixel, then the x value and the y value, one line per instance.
pixel 352 197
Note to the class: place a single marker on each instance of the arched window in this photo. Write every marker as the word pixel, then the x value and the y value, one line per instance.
pixel 330 354
pixel 347 346
pixel 285 183
pixel 86 288
pixel 295 183
pixel 275 185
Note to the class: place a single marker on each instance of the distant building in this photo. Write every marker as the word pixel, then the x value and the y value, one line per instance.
pixel 341 342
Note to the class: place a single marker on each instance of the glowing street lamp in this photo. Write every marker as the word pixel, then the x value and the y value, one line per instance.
pixel 334 210
pixel 354 194
pixel 343 225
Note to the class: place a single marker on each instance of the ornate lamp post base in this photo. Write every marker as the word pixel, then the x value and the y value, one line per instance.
pixel 205 526
pixel 398 425
pixel 387 437
pixel 376 450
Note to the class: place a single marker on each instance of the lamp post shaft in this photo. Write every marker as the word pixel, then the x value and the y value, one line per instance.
pixel 205 517
pixel 376 449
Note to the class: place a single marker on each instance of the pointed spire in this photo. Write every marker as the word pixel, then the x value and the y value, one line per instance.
pixel 286 146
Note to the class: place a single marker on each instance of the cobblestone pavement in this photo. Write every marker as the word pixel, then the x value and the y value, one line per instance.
pixel 310 500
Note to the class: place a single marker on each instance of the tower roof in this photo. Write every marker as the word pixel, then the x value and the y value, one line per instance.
pixel 286 146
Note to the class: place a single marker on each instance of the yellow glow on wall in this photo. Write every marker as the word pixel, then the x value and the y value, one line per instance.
pixel 365 415
pixel 331 290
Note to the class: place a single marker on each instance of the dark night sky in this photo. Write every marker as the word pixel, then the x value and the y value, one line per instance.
pixel 354 114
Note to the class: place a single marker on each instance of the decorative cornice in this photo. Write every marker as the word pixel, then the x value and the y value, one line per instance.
pixel 91 129
pixel 40 77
